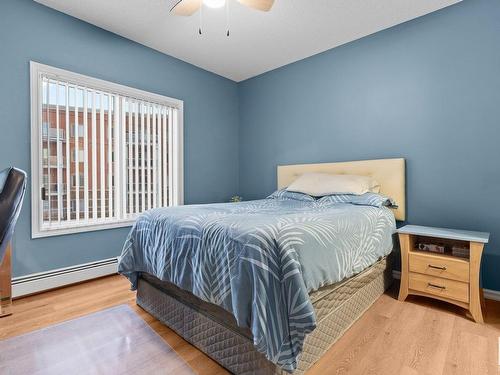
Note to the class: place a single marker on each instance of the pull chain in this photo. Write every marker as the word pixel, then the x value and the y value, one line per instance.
pixel 200 28
pixel 201 17
pixel 227 18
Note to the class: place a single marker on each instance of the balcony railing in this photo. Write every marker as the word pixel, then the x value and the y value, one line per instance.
pixel 53 162
pixel 51 133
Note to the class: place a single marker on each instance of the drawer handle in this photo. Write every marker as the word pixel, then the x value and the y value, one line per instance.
pixel 442 268
pixel 436 286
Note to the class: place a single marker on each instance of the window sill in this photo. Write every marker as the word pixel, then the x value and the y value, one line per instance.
pixel 80 228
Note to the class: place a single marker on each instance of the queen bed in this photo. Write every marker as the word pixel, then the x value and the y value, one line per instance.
pixel 267 286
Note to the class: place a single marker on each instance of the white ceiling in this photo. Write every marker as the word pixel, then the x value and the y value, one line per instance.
pixel 259 42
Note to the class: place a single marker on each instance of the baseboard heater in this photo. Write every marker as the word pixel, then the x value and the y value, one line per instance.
pixel 39 282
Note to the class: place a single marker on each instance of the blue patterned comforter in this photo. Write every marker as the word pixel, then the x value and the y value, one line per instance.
pixel 259 259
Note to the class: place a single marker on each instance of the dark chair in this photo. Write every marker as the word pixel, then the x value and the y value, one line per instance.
pixel 12 189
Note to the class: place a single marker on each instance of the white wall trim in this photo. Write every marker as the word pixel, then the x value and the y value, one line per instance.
pixel 39 282
pixel 42 281
pixel 488 293
pixel 100 84
pixel 491 294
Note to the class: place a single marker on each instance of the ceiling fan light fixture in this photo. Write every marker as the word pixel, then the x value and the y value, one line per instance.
pixel 214 3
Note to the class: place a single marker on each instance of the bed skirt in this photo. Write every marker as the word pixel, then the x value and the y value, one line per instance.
pixel 214 331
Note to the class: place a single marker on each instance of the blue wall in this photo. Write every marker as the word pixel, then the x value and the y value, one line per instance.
pixel 29 31
pixel 427 90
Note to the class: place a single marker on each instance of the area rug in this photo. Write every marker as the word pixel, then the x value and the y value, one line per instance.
pixel 112 341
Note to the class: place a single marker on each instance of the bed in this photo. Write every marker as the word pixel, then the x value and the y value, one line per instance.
pixel 266 286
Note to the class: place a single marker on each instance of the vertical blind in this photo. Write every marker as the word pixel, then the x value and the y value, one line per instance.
pixel 104 156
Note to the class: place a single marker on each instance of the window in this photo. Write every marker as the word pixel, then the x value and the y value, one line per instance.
pixel 102 153
pixel 77 155
pixel 72 129
pixel 81 181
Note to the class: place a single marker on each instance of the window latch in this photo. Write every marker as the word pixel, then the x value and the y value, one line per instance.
pixel 44 193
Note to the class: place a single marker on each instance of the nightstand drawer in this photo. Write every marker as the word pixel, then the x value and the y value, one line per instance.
pixel 440 266
pixel 437 286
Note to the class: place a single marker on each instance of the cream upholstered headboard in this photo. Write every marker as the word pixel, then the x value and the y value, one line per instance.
pixel 390 174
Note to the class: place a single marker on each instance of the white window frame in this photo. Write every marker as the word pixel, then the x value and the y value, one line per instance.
pixel 38 70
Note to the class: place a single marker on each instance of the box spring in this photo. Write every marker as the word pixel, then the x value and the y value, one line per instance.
pixel 215 332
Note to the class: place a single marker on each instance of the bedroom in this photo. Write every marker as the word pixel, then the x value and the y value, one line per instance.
pixel 404 93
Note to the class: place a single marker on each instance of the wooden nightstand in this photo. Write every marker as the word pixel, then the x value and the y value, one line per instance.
pixel 452 276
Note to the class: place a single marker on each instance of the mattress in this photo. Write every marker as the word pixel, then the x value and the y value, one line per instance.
pixel 215 331
pixel 258 260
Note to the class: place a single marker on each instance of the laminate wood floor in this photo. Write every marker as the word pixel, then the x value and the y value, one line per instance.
pixel 419 336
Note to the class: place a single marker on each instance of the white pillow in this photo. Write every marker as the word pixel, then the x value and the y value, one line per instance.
pixel 321 184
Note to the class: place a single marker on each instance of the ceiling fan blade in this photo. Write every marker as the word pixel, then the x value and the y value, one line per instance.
pixel 264 5
pixel 186 7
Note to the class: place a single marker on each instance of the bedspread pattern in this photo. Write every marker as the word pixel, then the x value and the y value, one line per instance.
pixel 259 259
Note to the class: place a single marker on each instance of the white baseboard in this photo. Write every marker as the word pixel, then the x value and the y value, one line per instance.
pixel 488 293
pixel 39 282
pixel 491 294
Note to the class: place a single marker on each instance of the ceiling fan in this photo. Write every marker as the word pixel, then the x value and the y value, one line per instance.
pixel 188 7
